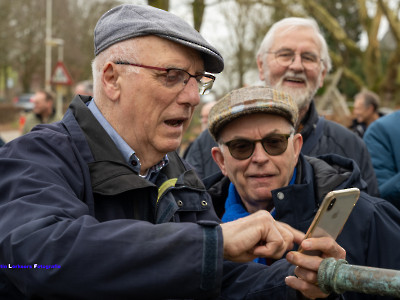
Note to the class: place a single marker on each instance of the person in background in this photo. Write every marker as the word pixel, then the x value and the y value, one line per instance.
pixel 383 142
pixel 43 111
pixel 205 110
pixel 294 58
pixel 198 153
pixel 100 205
pixel 84 88
pixel 263 169
pixel 366 111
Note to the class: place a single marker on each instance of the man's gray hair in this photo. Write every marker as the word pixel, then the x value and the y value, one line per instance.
pixel 370 99
pixel 122 51
pixel 290 24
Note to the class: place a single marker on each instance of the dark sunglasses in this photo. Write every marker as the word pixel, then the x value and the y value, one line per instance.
pixel 273 144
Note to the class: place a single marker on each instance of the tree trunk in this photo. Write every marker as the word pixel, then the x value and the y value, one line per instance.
pixel 198 12
pixel 162 4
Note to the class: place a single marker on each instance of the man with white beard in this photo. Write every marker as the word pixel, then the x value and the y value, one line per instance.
pixel 293 57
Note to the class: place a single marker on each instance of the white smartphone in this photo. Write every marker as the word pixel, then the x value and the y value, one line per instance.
pixel 331 216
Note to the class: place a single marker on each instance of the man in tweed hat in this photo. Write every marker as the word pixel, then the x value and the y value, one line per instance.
pixel 262 169
pixel 248 124
pixel 100 206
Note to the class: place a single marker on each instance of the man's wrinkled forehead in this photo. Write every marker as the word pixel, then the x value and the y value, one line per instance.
pixel 281 40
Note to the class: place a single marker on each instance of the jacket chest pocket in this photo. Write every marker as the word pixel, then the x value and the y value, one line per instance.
pixel 182 205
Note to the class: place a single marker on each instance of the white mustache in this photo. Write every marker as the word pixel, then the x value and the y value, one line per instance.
pixel 292 75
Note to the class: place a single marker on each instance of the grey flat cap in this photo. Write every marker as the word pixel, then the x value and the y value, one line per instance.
pixel 129 21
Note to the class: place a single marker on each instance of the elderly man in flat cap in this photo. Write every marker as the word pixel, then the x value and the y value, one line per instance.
pixel 99 206
pixel 262 169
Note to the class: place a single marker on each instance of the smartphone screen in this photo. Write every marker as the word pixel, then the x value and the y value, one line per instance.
pixel 333 213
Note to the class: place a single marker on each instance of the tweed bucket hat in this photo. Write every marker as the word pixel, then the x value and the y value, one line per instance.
pixel 250 100
pixel 128 21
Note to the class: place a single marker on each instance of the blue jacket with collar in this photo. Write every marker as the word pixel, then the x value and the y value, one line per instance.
pixel 383 143
pixel 70 202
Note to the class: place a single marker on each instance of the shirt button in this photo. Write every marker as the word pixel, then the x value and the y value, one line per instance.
pixel 204 203
pixel 180 203
pixel 134 163
pixel 280 195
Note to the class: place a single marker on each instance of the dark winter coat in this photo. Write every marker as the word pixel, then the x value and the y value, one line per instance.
pixel 198 155
pixel 321 136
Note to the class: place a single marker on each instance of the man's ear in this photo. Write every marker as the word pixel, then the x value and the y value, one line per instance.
pixel 297 144
pixel 321 83
pixel 260 68
pixel 110 81
pixel 219 159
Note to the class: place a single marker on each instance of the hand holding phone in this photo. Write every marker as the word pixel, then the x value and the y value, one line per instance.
pixel 332 215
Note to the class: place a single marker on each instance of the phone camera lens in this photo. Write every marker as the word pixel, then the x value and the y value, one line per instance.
pixel 331 204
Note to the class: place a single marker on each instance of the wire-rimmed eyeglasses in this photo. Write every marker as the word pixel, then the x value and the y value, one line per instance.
pixel 286 57
pixel 174 77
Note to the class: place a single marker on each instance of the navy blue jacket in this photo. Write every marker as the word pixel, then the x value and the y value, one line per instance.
pixel 322 137
pixel 198 155
pixel 68 200
pixel 371 236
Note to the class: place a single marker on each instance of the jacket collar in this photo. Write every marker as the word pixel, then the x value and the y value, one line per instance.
pixel 335 172
pixel 298 203
pixel 100 143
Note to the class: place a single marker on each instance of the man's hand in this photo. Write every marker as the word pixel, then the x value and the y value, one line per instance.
pixel 258 235
pixel 307 266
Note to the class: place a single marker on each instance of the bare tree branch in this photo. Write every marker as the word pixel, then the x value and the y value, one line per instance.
pixel 331 24
pixel 198 7
pixel 392 18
